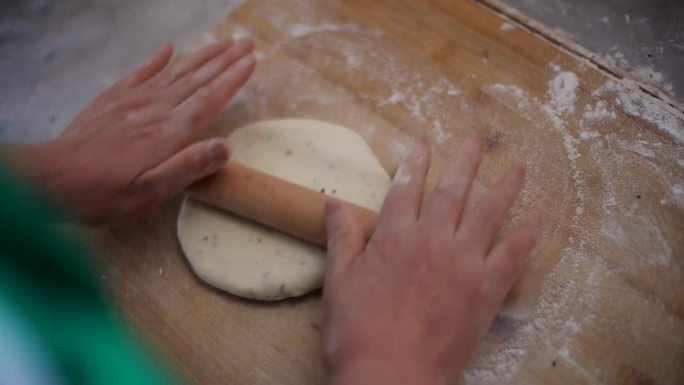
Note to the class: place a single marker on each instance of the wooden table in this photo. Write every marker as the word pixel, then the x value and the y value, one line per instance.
pixel 608 175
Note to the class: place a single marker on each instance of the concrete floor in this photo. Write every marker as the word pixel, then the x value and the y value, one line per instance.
pixel 57 55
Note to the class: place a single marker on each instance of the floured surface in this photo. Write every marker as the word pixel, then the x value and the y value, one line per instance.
pixel 602 159
pixel 252 261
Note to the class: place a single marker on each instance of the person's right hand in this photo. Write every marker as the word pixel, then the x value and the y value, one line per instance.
pixel 412 305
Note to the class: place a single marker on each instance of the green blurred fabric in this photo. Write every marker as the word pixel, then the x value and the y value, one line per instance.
pixel 48 280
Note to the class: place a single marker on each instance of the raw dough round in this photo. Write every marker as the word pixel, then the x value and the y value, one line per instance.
pixel 252 261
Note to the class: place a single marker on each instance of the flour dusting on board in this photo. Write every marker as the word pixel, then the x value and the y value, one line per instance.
pixel 641 105
pixel 627 233
pixel 304 29
pixel 505 27
pixel 606 204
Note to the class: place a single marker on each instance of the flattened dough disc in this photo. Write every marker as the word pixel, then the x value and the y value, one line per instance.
pixel 252 261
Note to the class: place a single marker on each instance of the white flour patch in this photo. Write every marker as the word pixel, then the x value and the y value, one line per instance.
pixel 650 76
pixel 423 100
pixel 641 105
pixel 677 194
pixel 398 150
pixel 587 134
pixel 599 111
pixel 303 29
pixel 563 93
pixel 638 146
pixel 505 27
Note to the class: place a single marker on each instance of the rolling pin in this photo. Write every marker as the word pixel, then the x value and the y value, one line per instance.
pixel 273 202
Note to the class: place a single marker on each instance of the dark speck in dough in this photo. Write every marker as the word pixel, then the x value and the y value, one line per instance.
pixel 288 152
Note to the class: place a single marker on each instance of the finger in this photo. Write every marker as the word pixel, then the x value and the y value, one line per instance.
pixel 507 260
pixel 201 109
pixel 201 76
pixel 445 205
pixel 181 170
pixel 483 223
pixel 147 70
pixel 403 200
pixel 182 68
pixel 345 237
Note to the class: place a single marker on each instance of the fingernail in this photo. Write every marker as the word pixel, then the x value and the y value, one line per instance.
pixel 218 152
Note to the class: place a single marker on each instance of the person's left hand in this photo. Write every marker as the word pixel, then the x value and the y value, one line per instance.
pixel 131 149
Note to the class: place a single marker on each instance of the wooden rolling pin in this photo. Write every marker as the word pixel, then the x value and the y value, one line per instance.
pixel 285 206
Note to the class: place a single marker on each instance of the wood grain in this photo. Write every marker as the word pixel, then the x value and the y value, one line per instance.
pixel 609 271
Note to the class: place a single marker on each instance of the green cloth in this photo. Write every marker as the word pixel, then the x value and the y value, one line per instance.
pixel 48 281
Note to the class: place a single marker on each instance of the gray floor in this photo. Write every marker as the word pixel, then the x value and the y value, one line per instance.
pixel 57 55
pixel 643 36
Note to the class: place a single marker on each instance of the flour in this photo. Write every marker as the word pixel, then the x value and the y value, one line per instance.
pixel 303 29
pixel 599 111
pixel 638 146
pixel 650 76
pixel 616 59
pixel 641 105
pixel 563 93
pixel 505 27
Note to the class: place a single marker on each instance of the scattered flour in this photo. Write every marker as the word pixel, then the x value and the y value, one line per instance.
pixel 505 27
pixel 599 111
pixel 303 29
pixel 398 150
pixel 639 104
pixel 562 96
pixel 587 134
pixel 563 93
pixel 616 59
pixel 650 76
pixel 638 146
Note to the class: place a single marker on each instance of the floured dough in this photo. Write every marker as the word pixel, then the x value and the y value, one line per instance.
pixel 253 261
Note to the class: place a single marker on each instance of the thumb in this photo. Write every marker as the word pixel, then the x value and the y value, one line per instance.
pixel 186 167
pixel 345 237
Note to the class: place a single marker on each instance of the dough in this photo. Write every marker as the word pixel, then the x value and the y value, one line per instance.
pixel 252 261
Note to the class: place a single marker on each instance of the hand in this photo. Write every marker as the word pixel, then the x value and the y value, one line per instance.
pixel 131 149
pixel 412 305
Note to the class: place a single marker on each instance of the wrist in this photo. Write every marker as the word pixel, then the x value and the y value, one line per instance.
pixel 42 165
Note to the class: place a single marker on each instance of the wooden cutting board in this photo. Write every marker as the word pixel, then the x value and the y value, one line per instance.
pixel 601 156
